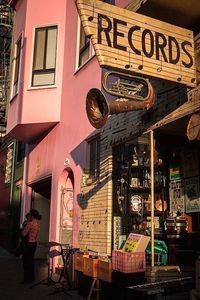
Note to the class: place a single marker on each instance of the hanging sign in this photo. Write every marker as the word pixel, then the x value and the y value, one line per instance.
pixel 132 42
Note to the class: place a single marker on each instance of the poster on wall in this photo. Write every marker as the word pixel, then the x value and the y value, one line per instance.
pixel 192 199
pixel 67 214
pixel 177 198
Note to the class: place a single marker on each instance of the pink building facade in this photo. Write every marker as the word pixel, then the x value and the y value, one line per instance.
pixel 47 112
pixel 51 75
pixel 69 168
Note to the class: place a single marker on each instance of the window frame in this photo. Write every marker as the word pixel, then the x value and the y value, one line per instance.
pixel 16 67
pixel 80 50
pixel 94 158
pixel 44 70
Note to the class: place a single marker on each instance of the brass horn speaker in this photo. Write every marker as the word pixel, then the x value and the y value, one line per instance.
pixel 130 97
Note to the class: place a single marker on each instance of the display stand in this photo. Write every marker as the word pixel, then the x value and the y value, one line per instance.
pixel 67 254
pixel 51 255
pixel 95 287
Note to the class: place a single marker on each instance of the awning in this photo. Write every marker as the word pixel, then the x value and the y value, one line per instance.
pixel 189 107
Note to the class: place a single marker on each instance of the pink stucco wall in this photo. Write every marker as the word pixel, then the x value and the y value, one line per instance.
pixel 64 103
pixel 36 106
pixel 14 109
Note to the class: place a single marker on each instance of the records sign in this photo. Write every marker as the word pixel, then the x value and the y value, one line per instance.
pixel 131 42
pixel 192 199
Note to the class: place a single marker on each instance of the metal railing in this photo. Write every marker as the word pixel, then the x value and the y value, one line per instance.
pixel 6 15
pixel 6 25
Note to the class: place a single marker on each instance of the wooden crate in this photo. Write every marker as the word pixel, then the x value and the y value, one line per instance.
pixel 160 273
pixel 90 266
pixel 104 271
pixel 79 261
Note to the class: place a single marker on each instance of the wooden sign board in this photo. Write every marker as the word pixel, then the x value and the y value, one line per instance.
pixel 131 42
pixel 197 56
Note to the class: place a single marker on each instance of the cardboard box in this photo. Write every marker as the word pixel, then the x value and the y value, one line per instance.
pixel 79 261
pixel 90 266
pixel 104 271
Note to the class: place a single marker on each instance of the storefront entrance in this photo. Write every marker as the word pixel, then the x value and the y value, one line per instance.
pixel 176 190
pixel 41 195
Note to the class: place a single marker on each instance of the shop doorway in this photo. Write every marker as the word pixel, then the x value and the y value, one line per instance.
pixel 41 195
pixel 66 209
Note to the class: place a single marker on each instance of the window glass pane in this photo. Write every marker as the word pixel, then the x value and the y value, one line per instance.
pixel 51 48
pixel 84 56
pixel 20 151
pixel 82 38
pixel 43 79
pixel 44 56
pixel 18 47
pixel 16 70
pixel 39 49
pixel 84 48
pixel 15 88
pixel 17 61
pixel 94 158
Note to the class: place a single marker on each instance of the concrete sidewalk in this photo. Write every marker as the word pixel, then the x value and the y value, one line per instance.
pixel 11 274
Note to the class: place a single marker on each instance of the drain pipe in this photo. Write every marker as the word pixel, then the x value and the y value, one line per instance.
pixel 12 174
pixel 24 187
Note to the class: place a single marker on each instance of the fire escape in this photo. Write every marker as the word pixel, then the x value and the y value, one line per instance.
pixel 6 25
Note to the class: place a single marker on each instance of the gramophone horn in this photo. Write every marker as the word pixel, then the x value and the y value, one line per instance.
pixel 130 97
pixel 97 108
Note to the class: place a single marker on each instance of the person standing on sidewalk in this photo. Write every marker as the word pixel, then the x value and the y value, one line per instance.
pixel 22 239
pixel 30 231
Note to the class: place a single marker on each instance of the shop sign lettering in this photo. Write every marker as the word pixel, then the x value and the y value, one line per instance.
pixel 132 42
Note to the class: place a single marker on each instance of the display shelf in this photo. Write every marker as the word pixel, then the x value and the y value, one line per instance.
pixel 156 213
pixel 132 186
pixel 146 189
pixel 147 167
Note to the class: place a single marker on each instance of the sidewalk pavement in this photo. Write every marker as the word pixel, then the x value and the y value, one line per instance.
pixel 11 274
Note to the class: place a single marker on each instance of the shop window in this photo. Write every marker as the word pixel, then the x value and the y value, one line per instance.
pixel 20 151
pixel 94 166
pixel 16 67
pixel 44 58
pixel 85 47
